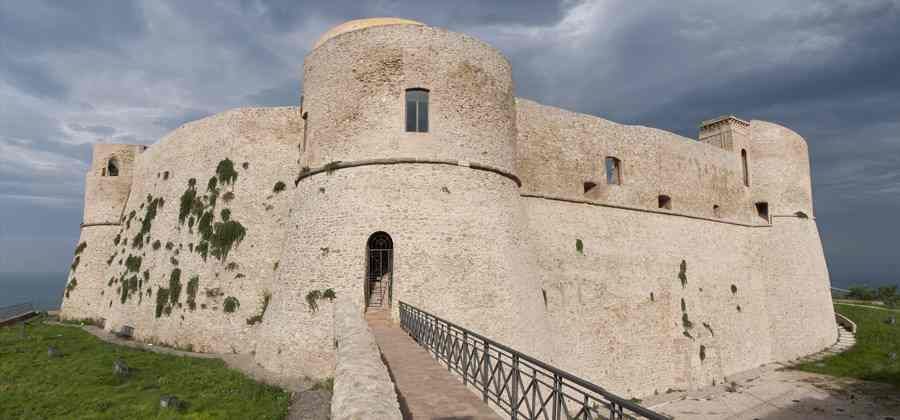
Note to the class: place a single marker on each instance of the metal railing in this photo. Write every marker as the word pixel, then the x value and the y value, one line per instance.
pixel 15 311
pixel 521 386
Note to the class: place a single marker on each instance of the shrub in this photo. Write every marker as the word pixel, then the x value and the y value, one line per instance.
pixel 232 266
pixel 329 294
pixel 80 248
pixel 71 286
pixel 682 274
pixel 175 286
pixel 228 196
pixel 279 187
pixel 192 287
pixel 579 246
pixel 162 299
pixel 75 263
pixel 312 300
pixel 231 304
pixel 211 185
pixel 226 235
pixel 187 202
pixel 157 245
pixel 226 173
pixel 133 263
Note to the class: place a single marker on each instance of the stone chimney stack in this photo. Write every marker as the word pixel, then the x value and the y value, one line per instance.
pixel 727 132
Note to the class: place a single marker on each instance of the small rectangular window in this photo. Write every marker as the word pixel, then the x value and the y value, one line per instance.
pixel 417 110
pixel 665 202
pixel 613 171
pixel 762 209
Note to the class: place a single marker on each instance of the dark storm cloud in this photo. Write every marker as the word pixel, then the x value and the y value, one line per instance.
pixel 285 14
pixel 129 71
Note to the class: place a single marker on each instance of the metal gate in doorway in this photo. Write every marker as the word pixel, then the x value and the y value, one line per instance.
pixel 379 270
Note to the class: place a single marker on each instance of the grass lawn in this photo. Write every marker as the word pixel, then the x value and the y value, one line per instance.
pixel 80 384
pixel 868 359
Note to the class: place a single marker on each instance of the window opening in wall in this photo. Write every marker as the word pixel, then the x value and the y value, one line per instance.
pixel 762 209
pixel 716 211
pixel 417 110
pixel 305 125
pixel 379 271
pixel 665 202
pixel 746 171
pixel 613 171
pixel 112 168
pixel 589 186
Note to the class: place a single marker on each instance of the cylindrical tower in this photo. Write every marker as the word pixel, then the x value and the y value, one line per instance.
pixel 799 298
pixel 406 187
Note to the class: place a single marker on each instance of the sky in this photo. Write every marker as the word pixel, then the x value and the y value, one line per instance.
pixel 77 73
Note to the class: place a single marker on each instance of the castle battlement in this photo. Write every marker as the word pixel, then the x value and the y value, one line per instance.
pixel 629 255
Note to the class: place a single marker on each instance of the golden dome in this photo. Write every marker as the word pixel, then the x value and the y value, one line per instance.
pixel 355 25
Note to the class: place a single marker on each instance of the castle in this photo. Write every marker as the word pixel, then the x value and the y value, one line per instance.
pixel 633 257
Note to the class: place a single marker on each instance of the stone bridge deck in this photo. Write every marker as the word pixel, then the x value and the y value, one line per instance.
pixel 426 390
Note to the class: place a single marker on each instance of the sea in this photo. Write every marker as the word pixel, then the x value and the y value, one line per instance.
pixel 43 290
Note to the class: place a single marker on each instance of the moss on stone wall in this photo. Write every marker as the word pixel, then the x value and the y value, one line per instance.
pixel 225 171
pixel 231 304
pixel 192 287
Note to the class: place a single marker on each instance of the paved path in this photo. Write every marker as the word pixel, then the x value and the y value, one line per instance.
pixel 773 392
pixel 426 390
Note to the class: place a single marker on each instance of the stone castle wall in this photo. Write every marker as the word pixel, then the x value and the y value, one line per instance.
pixel 484 210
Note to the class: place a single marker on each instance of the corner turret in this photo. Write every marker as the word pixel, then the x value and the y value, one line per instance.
pixel 108 182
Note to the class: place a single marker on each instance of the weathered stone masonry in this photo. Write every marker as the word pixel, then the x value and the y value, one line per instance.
pixel 698 260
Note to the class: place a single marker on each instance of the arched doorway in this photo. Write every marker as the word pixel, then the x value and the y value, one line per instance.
pixel 379 270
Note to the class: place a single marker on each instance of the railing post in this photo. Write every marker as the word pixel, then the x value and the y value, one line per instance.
pixel 484 372
pixel 557 390
pixel 465 357
pixel 514 382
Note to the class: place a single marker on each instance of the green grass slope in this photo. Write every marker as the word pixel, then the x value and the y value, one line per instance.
pixel 870 358
pixel 81 385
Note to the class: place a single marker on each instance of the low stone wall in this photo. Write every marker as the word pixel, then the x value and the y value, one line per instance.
pixel 845 322
pixel 362 385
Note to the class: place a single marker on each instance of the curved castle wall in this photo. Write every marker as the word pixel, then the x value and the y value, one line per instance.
pixel 214 237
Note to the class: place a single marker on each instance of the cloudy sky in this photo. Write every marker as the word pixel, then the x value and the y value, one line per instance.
pixel 74 73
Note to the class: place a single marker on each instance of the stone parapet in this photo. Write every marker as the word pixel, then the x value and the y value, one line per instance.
pixel 362 385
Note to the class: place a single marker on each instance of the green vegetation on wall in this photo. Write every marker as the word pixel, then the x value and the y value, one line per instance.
pixel 279 187
pixel 258 318
pixel 226 173
pixel 71 286
pixel 192 287
pixel 80 248
pixel 231 304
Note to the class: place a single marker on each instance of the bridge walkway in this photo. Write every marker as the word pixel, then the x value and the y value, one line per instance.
pixel 426 389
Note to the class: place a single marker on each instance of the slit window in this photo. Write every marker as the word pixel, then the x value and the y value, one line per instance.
pixel 745 170
pixel 112 168
pixel 417 110
pixel 665 202
pixel 305 130
pixel 613 171
pixel 762 209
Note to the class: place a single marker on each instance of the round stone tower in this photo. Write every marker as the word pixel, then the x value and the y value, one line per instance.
pixel 406 189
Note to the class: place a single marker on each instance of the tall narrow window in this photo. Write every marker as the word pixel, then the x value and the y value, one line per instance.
pixel 417 110
pixel 305 130
pixel 613 171
pixel 744 167
pixel 762 209
pixel 112 168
